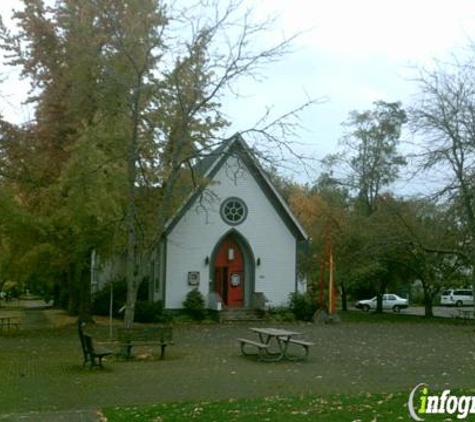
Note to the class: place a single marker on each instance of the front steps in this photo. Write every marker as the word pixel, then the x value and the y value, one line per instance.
pixel 240 314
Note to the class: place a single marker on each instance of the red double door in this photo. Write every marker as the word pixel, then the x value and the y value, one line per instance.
pixel 229 273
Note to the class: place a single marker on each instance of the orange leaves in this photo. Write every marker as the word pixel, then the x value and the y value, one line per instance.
pixel 311 209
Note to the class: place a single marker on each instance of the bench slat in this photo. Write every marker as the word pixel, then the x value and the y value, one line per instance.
pixel 301 342
pixel 144 342
pixel 160 334
pixel 253 343
pixel 129 337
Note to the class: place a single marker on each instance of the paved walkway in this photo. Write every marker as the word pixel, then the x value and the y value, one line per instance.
pixel 33 318
pixel 439 311
pixel 75 416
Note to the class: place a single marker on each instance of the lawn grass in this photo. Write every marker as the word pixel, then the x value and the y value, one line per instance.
pixel 41 370
pixel 334 408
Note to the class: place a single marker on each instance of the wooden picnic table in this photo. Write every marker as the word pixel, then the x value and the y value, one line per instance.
pixel 465 315
pixel 267 334
pixel 7 323
pixel 274 344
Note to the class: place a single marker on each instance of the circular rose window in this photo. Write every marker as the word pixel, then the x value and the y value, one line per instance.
pixel 233 211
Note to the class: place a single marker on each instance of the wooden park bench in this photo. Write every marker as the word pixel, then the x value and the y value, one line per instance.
pixel 92 354
pixel 137 336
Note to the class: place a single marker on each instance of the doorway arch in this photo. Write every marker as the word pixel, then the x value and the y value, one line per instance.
pixel 232 270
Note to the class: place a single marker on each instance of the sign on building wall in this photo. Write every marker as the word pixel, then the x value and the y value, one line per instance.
pixel 193 278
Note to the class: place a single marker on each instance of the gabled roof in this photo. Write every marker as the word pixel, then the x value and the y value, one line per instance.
pixel 209 165
pixel 210 159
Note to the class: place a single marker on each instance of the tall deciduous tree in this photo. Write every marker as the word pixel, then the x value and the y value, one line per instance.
pixel 56 165
pixel 427 245
pixel 370 152
pixel 444 117
pixel 128 97
pixel 368 164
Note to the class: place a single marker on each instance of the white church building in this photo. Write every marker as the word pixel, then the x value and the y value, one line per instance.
pixel 236 248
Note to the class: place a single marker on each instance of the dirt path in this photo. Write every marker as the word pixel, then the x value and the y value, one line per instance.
pixel 35 319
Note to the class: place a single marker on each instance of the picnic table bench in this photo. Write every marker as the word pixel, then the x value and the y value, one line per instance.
pixel 305 344
pixel 161 336
pixel 8 323
pixel 92 353
pixel 261 347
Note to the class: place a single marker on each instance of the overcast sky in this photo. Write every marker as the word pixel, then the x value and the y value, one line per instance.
pixel 352 53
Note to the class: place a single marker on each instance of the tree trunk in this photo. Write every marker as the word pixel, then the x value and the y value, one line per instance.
pixel 131 211
pixel 379 296
pixel 73 291
pixel 344 298
pixel 379 303
pixel 132 289
pixel 84 281
pixel 57 294
pixel 428 311
pixel 473 269
pixel 429 294
pixel 131 264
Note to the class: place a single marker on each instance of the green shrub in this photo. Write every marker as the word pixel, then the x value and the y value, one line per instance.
pixel 63 299
pixel 47 297
pixel 195 305
pixel 281 314
pixel 146 311
pixel 303 306
pixel 101 300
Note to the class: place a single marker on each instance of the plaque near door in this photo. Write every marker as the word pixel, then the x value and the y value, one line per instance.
pixel 235 280
pixel 193 278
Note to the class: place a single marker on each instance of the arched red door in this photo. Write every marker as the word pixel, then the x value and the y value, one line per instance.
pixel 229 273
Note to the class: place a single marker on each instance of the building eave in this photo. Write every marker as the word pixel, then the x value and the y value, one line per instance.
pixel 238 144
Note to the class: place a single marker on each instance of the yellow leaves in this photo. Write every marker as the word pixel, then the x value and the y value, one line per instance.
pixel 308 208
pixel 313 212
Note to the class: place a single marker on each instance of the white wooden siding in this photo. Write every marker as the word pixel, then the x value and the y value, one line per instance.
pixel 196 234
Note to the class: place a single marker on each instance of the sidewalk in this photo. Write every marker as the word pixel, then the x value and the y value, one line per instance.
pixel 24 303
pixel 73 416
pixel 32 315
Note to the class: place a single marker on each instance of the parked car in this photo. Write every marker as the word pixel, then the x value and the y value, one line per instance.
pixel 390 301
pixel 457 297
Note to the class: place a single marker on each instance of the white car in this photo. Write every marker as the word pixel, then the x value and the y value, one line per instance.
pixel 390 301
pixel 457 297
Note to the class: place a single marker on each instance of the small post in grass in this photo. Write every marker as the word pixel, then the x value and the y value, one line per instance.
pixel 111 310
